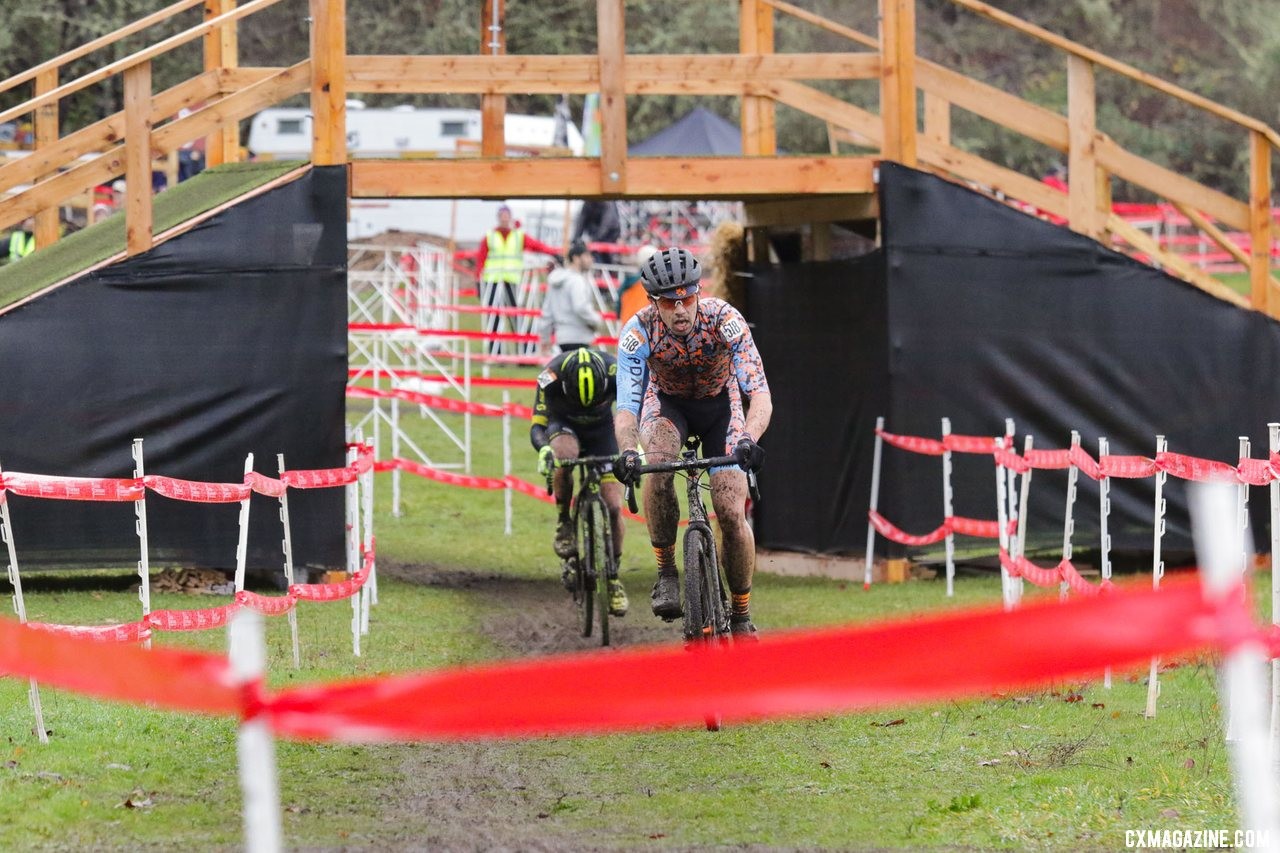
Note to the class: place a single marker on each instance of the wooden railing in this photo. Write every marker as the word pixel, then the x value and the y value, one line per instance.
pixel 223 93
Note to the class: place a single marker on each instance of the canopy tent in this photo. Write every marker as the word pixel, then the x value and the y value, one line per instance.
pixel 699 132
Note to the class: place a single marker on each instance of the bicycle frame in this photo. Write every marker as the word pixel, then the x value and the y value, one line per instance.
pixel 591 565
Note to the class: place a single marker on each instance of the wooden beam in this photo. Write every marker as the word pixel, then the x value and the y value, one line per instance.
pixel 231 109
pixel 1141 241
pixel 1102 60
pixel 493 108
pixel 971 167
pixel 96 44
pixel 1171 185
pixel 611 44
pixel 289 82
pixel 823 23
pixel 789 211
pixel 825 107
pixel 937 118
pixel 1260 290
pixel 646 74
pixel 1035 122
pixel 144 55
pixel 102 134
pixel 1082 188
pixel 137 126
pixel 46 232
pixel 328 82
pixel 755 38
pixel 1214 233
pixel 234 79
pixel 898 79
pixel 647 177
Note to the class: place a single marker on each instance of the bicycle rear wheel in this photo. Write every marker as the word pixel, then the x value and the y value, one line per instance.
pixel 600 548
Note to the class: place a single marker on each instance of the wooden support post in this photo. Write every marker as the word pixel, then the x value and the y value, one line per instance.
pixel 1260 292
pixel 937 119
pixel 221 50
pixel 611 37
pixel 47 135
pixel 328 82
pixel 493 108
pixel 898 79
pixel 137 158
pixel 1084 213
pixel 759 115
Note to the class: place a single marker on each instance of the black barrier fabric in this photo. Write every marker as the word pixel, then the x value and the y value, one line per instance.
pixel 986 313
pixel 997 314
pixel 225 340
pixel 822 333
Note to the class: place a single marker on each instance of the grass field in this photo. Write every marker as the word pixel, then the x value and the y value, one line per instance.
pixel 1071 767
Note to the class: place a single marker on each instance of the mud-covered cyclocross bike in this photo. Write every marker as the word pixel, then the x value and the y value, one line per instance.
pixel 706 601
pixel 587 573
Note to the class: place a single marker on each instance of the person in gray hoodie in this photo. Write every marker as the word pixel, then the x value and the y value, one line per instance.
pixel 569 312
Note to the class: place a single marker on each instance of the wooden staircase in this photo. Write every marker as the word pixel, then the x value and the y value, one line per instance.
pixel 815 189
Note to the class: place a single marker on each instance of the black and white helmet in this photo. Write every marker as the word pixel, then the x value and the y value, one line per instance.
pixel 671 272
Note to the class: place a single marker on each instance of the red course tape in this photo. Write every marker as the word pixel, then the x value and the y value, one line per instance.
pixel 918 659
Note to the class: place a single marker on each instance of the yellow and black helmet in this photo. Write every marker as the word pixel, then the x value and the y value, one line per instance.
pixel 584 377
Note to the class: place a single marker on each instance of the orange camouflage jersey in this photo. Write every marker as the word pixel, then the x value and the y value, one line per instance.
pixel 697 366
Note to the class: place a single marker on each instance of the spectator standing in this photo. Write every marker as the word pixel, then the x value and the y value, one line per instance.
pixel 598 222
pixel 22 241
pixel 500 264
pixel 569 312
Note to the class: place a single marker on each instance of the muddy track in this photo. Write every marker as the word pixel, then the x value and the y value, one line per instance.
pixel 486 795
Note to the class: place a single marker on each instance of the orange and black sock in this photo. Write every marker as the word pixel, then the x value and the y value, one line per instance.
pixel 741 603
pixel 666 555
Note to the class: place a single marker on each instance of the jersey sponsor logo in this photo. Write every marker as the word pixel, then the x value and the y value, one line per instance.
pixel 731 328
pixel 630 343
pixel 545 378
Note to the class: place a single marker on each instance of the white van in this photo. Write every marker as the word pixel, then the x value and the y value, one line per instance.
pixel 408 132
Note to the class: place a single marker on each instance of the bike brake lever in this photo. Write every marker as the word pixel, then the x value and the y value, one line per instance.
pixel 631 499
pixel 752 488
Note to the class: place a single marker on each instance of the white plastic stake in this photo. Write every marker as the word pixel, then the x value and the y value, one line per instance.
pixel 1273 442
pixel 20 608
pixel 948 510
pixel 1023 496
pixel 1104 510
pixel 287 545
pixel 255 748
pixel 366 494
pixel 1243 672
pixel 353 555
pixel 506 461
pixel 1157 572
pixel 466 416
pixel 1002 519
pixel 1242 507
pixel 362 534
pixel 395 454
pixel 242 547
pixel 1068 519
pixel 875 499
pixel 140 525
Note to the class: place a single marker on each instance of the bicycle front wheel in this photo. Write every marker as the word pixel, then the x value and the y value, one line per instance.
pixel 599 543
pixel 585 581
pixel 703 598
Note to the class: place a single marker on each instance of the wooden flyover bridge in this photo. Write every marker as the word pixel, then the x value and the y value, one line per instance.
pixel 917 99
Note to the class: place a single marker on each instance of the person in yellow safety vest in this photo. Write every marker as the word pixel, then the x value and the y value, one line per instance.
pixel 501 264
pixel 22 242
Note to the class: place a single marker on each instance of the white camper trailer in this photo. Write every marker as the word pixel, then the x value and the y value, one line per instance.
pixel 408 132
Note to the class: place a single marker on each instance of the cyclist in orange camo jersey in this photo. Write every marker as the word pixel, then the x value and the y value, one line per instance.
pixel 686 364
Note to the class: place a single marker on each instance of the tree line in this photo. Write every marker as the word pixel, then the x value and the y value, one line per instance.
pixel 1226 50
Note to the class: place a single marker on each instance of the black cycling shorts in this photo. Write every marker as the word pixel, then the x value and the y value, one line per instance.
pixel 709 418
pixel 593 440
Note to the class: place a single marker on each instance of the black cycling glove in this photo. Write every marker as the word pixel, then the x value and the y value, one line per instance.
pixel 750 456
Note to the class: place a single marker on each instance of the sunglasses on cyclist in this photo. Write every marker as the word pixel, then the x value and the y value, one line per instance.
pixel 670 303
